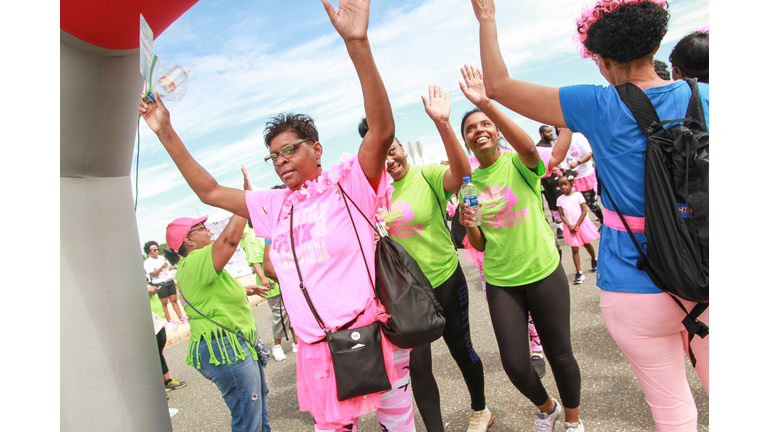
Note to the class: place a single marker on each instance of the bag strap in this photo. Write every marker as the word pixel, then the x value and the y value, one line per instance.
pixel 438 206
pixel 301 281
pixel 345 196
pixel 220 325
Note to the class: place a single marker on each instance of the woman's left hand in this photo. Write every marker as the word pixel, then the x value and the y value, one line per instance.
pixel 351 21
pixel 438 106
pixel 258 290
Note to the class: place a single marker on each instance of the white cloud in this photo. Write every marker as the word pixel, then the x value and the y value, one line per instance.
pixel 242 77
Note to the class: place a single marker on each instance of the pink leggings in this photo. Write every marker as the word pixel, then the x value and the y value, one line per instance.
pixel 396 411
pixel 649 331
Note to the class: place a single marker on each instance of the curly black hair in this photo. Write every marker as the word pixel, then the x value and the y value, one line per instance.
pixel 630 32
pixel 148 244
pixel 300 124
pixel 661 69
pixel 691 55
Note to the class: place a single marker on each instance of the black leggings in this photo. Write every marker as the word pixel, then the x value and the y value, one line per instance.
pixel 591 199
pixel 549 302
pixel 161 337
pixel 453 296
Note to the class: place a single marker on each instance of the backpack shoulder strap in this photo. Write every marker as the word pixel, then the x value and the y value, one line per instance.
pixel 640 106
pixel 695 106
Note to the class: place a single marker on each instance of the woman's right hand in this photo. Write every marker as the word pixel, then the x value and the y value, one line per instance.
pixel 466 216
pixel 473 87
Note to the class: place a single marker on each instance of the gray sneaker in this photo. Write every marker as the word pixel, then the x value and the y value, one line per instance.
pixel 539 365
pixel 546 422
pixel 579 278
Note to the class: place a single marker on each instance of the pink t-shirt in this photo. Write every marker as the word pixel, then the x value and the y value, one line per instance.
pixel 571 206
pixel 329 256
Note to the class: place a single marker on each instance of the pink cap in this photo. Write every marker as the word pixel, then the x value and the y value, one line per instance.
pixel 178 229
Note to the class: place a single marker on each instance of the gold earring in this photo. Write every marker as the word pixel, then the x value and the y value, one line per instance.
pixel 406 154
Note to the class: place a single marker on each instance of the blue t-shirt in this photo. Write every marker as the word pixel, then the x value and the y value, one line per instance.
pixel 618 145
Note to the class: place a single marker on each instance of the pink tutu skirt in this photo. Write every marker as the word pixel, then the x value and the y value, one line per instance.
pixel 586 234
pixel 588 182
pixel 316 381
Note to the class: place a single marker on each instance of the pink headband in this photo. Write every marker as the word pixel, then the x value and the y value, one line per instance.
pixel 591 13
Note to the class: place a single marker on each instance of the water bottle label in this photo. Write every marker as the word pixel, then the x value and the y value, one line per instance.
pixel 471 201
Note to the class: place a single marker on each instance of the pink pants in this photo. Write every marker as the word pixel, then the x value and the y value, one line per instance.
pixel 649 331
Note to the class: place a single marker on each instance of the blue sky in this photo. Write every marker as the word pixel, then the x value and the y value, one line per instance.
pixel 252 60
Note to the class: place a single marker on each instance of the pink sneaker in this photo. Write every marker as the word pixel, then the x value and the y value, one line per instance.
pixel 170 325
pixel 184 319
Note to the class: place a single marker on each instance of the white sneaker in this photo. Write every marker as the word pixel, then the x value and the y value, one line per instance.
pixel 480 421
pixel 294 348
pixel 546 422
pixel 277 353
pixel 574 427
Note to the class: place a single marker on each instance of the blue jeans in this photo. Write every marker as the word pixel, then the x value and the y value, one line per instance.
pixel 242 385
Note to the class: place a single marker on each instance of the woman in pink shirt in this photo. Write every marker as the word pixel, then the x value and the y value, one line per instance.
pixel 334 272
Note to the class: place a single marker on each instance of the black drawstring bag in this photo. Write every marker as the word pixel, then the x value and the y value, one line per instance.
pixel 405 292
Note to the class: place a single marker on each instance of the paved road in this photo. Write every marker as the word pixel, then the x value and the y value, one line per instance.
pixel 611 399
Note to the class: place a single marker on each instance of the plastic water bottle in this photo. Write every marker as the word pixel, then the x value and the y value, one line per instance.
pixel 172 80
pixel 469 195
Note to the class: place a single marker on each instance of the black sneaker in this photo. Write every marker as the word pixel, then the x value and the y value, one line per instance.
pixel 594 266
pixel 579 278
pixel 539 365
pixel 560 233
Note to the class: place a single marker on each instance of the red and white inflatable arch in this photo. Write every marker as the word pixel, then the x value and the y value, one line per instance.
pixel 110 368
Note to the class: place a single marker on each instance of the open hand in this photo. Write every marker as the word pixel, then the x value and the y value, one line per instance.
pixel 258 290
pixel 351 20
pixel 438 106
pixel 473 87
pixel 246 181
pixel 484 9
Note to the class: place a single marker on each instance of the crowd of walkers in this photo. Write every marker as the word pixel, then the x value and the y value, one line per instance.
pixel 512 243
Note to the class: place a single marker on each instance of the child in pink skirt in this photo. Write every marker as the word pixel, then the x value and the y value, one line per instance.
pixel 581 231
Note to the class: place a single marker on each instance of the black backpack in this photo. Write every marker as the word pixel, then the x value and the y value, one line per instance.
pixel 676 255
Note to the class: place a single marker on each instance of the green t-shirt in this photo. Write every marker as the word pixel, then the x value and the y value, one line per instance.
pixel 416 221
pixel 221 298
pixel 156 305
pixel 520 247
pixel 259 251
pixel 250 244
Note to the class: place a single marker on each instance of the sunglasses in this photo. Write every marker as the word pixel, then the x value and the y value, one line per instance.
pixel 287 151
pixel 197 228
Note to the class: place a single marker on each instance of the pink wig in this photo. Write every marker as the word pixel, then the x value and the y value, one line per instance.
pixel 591 13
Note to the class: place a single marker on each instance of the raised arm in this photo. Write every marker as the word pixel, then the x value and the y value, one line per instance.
pixel 473 89
pixel 438 107
pixel 560 149
pixel 537 102
pixel 202 183
pixel 351 22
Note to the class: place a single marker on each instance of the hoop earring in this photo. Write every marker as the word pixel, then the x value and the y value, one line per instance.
pixel 406 154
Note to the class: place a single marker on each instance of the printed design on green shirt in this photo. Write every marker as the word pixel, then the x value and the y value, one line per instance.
pixel 497 203
pixel 398 219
